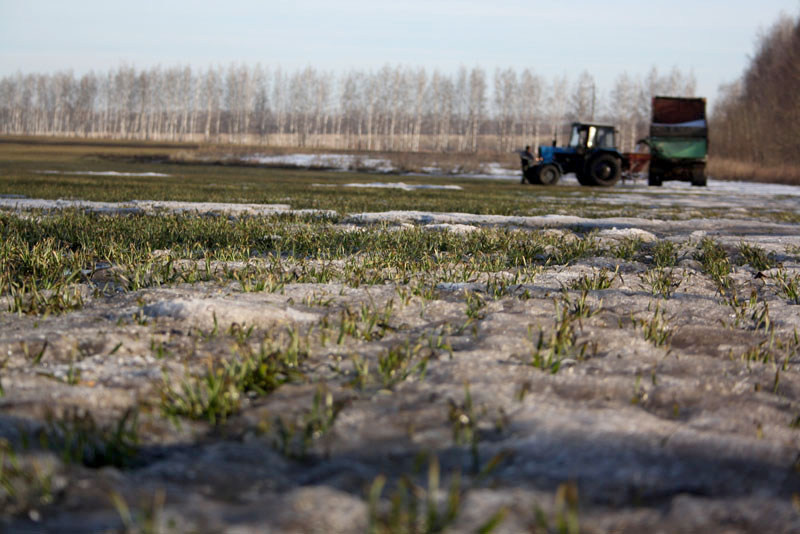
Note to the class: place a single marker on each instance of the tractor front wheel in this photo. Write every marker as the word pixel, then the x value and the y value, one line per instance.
pixel 548 174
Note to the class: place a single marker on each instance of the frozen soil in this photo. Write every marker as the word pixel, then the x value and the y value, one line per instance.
pixel 649 412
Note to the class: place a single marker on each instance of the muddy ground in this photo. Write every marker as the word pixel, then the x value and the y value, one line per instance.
pixel 674 412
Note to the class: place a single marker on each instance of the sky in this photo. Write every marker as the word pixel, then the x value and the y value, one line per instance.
pixel 712 39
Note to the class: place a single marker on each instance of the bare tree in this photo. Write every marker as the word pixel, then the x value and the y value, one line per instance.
pixel 321 86
pixel 280 102
pixel 372 100
pixel 557 104
pixel 506 108
pixel 420 83
pixel 530 106
pixel 584 98
pixel 477 104
pixel 87 93
pixel 301 103
pixel 123 99
pixel 186 94
pixel 211 96
pixel 8 113
pixel 624 106
pixel 351 108
pixel 261 102
pixel 441 107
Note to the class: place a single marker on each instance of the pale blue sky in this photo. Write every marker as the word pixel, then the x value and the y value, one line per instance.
pixel 711 38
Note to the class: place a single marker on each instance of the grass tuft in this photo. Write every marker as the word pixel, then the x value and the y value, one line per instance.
pixel 755 256
pixel 716 264
pixel 599 280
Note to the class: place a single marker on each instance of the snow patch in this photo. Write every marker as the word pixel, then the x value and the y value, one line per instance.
pixel 432 218
pixel 640 227
pixel 455 287
pixel 494 171
pixel 395 185
pixel 205 312
pixel 345 162
pixel 628 233
pixel 157 206
pixel 104 173
pixel 330 161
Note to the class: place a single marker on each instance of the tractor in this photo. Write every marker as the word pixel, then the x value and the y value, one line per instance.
pixel 591 154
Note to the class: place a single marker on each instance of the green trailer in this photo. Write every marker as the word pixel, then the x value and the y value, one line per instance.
pixel 678 140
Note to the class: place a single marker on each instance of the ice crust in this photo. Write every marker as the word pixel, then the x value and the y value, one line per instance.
pixel 104 173
pixel 394 185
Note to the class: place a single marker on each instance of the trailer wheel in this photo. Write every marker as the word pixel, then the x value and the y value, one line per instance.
pixel 699 176
pixel 604 170
pixel 548 174
pixel 655 176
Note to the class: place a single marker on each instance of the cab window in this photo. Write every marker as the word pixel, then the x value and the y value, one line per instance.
pixel 575 138
pixel 605 138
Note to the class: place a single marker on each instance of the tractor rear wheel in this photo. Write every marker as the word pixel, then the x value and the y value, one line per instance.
pixel 548 174
pixel 603 170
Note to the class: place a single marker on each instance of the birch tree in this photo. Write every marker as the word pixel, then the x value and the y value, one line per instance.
pixel 623 102
pixel 321 105
pixel 557 103
pixel 87 93
pixel 280 102
pixel 8 94
pixel 210 96
pixel 440 104
pixel 477 104
pixel 420 84
pixel 261 103
pixel 530 106
pixel 506 107
pixel 583 99
pixel 351 108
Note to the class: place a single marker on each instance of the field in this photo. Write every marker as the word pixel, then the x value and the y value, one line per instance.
pixel 189 347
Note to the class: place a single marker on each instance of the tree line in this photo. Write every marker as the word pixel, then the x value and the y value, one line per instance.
pixel 757 118
pixel 395 108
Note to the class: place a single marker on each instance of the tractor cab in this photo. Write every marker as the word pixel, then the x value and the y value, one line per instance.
pixel 590 136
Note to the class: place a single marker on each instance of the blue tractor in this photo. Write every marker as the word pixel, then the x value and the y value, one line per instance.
pixel 591 154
